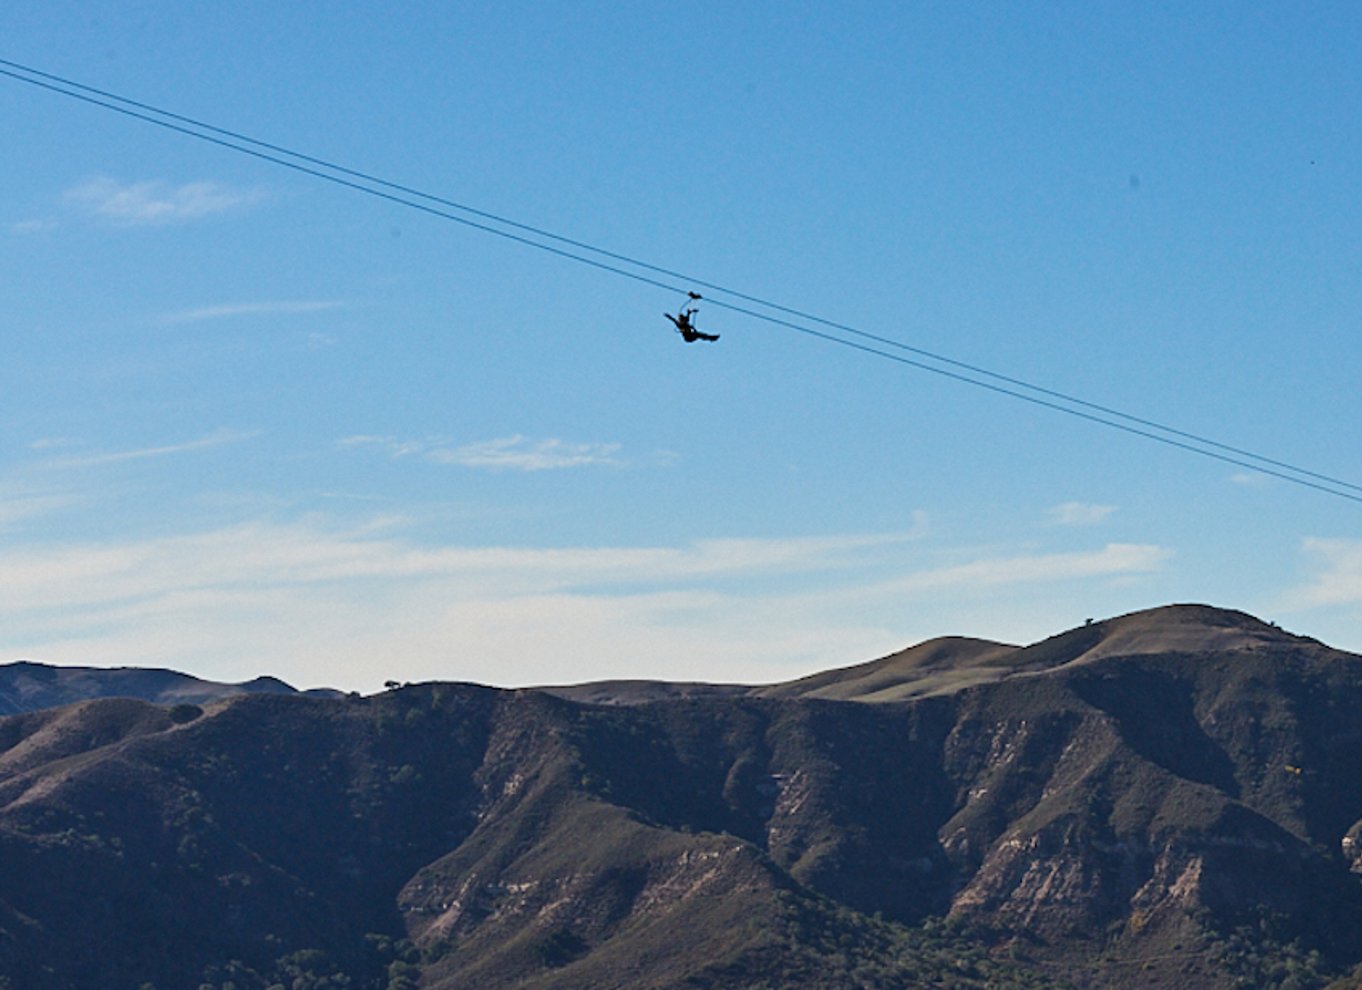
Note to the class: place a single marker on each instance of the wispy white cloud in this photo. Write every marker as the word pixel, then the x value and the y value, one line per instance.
pixel 49 443
pixel 518 453
pixel 215 439
pixel 1080 513
pixel 352 606
pixel 25 227
pixel 157 202
pixel 1337 577
pixel 262 555
pixel 391 445
pixel 20 505
pixel 1114 559
pixel 354 497
pixel 342 606
pixel 514 453
pixel 274 308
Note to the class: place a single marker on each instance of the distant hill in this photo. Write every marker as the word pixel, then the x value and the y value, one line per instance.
pixel 952 663
pixel 1167 799
pixel 26 686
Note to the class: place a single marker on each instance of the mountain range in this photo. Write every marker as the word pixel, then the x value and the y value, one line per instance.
pixel 1169 798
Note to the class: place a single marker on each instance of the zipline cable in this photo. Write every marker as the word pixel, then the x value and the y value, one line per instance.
pixel 314 166
pixel 637 263
pixel 1036 400
pixel 317 173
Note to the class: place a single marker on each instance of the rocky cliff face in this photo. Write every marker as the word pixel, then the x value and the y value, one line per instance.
pixel 1095 810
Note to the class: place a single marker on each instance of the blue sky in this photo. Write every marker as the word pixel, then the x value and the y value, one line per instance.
pixel 254 422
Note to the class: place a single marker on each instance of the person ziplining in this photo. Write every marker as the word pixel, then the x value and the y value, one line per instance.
pixel 685 327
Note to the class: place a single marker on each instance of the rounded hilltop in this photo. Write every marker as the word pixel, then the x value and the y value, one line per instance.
pixel 1188 628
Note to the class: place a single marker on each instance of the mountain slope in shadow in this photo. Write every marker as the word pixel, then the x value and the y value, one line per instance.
pixel 1165 799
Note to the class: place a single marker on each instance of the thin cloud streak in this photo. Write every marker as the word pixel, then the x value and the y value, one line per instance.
pixel 513 453
pixel 261 555
pixel 352 606
pixel 215 439
pixel 157 202
pixel 1112 560
pixel 49 443
pixel 1080 514
pixel 275 308
pixel 23 228
pixel 518 453
pixel 19 506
